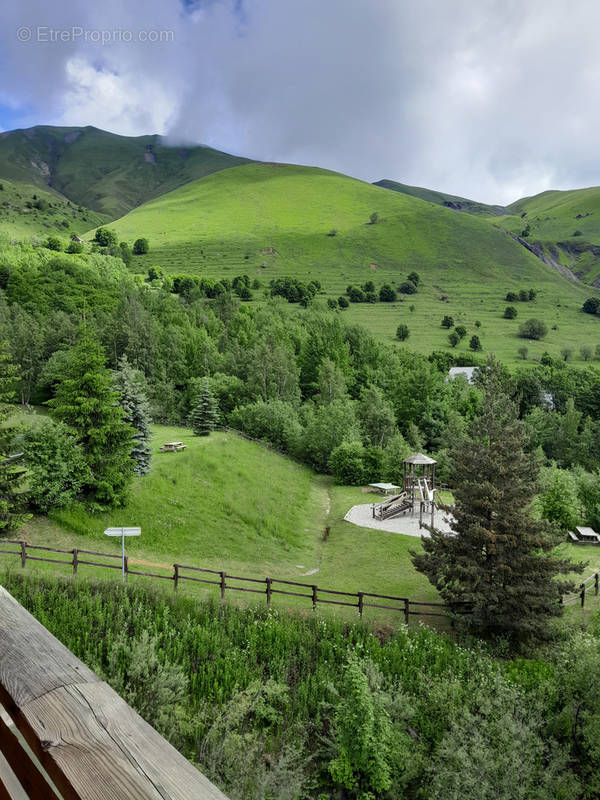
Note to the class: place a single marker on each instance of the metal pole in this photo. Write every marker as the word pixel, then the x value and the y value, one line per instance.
pixel 123 555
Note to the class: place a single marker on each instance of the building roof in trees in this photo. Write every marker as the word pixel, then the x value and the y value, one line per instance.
pixel 466 371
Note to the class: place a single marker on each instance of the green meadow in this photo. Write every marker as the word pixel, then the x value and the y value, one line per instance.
pixel 270 221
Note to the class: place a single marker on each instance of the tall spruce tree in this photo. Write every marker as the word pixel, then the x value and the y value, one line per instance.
pixel 204 415
pixel 499 561
pixel 12 498
pixel 136 412
pixel 85 400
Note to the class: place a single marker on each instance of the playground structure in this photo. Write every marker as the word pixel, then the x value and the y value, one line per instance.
pixel 418 495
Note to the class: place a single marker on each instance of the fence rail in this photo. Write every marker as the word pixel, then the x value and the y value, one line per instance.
pixel 230 583
pixel 589 584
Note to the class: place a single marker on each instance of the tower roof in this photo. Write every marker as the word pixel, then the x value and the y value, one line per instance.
pixel 419 458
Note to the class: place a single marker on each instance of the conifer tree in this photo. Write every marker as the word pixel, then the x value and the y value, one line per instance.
pixel 204 415
pixel 85 400
pixel 12 503
pixel 499 561
pixel 136 411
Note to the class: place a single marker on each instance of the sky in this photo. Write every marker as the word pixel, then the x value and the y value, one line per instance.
pixel 488 99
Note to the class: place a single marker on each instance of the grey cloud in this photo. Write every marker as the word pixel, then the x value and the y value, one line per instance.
pixel 491 100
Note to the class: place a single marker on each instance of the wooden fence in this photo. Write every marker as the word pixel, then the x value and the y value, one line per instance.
pixel 589 584
pixel 66 735
pixel 268 587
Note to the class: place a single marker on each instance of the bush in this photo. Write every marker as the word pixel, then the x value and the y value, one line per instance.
pixel 56 466
pixel 346 464
pixel 523 352
pixel 448 322
pixel 332 303
pixel 591 305
pixel 510 312
pixel 105 237
pixel 343 302
pixel 408 287
pixel 374 218
pixel 533 329
pixel 356 294
pixel 475 343
pixel 141 247
pixel 566 354
pixel 414 277
pixel 387 294
pixel 75 247
pixel 460 331
pixel 586 353
pixel 402 332
pixel 511 297
pixel 54 243
pixel 453 338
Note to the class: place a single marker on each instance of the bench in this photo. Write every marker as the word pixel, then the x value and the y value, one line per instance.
pixel 574 538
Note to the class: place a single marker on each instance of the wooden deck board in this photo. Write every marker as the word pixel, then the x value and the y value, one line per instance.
pixel 92 744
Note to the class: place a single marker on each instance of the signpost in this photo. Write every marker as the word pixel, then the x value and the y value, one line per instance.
pixel 123 532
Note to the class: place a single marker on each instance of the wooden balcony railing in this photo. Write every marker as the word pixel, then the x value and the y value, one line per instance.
pixel 75 738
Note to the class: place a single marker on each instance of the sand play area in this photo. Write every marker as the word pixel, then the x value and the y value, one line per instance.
pixel 407 524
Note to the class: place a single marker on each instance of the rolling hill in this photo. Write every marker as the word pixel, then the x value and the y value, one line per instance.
pixel 108 173
pixel 562 228
pixel 275 220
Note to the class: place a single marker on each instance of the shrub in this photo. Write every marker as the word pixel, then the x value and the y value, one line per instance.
pixel 477 323
pixel 523 351
pixel 387 294
pixel 332 303
pixel 523 295
pixel 374 218
pixel 475 343
pixel 414 277
pixel 566 354
pixel 356 294
pixel 346 463
pixel 368 286
pixel 408 287
pixel 105 237
pixel 56 466
pixel 510 312
pixel 511 297
pixel 54 243
pixel 460 331
pixel 533 329
pixel 343 302
pixel 402 332
pixel 453 338
pixel 591 305
pixel 448 322
pixel 75 247
pixel 141 247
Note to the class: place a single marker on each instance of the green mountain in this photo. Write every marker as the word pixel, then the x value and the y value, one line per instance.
pixel 441 199
pixel 108 173
pixel 560 228
pixel 276 220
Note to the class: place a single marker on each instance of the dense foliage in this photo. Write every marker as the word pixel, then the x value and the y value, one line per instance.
pixel 272 705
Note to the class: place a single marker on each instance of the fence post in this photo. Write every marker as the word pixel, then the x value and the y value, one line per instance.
pixel 175 576
pixel 268 582
pixel 582 587
pixel 361 597
pixel 126 566
pixel 314 597
pixel 223 587
pixel 406 610
pixel 596 583
pixel 75 558
pixel 23 554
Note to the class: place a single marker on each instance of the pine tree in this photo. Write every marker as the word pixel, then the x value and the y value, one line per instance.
pixel 136 412
pixel 499 561
pixel 12 502
pixel 86 401
pixel 204 415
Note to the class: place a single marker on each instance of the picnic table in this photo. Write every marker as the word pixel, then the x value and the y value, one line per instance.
pixel 173 447
pixel 588 533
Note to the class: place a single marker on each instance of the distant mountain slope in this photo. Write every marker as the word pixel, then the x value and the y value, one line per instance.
pixel 108 173
pixel 564 226
pixel 275 220
pixel 442 199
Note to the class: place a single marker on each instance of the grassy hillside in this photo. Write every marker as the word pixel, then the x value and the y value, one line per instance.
pixel 442 199
pixel 274 220
pixel 27 211
pixel 212 506
pixel 106 172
